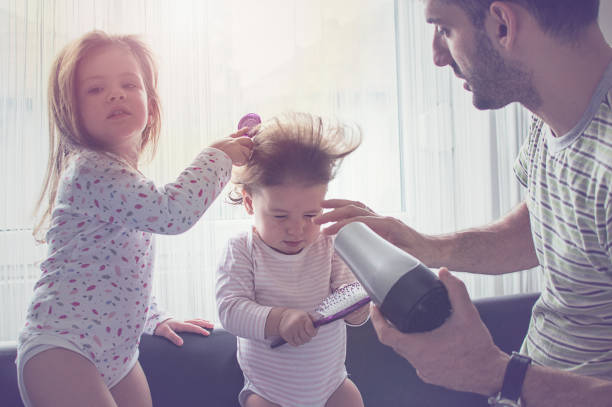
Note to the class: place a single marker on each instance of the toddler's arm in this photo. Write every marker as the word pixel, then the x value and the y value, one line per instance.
pixel 238 311
pixel 341 275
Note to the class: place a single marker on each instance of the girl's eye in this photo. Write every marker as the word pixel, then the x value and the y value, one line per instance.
pixel 93 91
pixel 310 215
pixel 280 216
pixel 129 86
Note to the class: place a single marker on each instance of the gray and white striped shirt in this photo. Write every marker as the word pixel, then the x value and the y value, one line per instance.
pixel 569 196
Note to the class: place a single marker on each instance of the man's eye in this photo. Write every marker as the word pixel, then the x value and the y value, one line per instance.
pixel 442 31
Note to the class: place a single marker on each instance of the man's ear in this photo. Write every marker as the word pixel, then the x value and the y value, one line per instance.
pixel 502 24
pixel 247 200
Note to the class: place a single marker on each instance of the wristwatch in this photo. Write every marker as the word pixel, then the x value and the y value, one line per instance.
pixel 510 394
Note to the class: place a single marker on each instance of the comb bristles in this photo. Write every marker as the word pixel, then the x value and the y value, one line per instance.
pixel 341 299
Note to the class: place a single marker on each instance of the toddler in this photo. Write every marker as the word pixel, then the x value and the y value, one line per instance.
pixel 272 277
pixel 93 300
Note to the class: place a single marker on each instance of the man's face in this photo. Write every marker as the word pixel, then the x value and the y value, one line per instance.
pixel 493 80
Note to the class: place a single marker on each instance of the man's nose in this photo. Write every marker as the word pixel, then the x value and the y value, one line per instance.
pixel 441 54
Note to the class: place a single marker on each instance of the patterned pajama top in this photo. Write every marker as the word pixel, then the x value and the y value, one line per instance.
pixel 95 287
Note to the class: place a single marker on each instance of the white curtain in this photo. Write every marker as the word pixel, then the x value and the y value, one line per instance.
pixel 428 157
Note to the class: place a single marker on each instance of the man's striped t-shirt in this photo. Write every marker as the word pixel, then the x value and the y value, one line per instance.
pixel 569 196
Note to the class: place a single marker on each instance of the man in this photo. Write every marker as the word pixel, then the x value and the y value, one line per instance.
pixel 550 56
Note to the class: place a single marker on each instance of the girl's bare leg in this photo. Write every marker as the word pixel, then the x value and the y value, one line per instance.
pixel 61 377
pixel 347 395
pixel 133 389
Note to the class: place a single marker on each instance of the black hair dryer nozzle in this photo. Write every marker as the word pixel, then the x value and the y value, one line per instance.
pixel 408 293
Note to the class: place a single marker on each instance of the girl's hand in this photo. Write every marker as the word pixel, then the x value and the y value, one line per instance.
pixel 296 327
pixel 359 316
pixel 237 146
pixel 169 328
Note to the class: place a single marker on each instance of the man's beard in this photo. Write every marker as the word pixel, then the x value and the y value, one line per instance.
pixel 495 82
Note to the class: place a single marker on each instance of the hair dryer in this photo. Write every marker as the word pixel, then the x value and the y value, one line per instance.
pixel 408 293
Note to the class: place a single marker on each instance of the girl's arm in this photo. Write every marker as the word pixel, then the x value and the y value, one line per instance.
pixel 112 192
pixel 235 293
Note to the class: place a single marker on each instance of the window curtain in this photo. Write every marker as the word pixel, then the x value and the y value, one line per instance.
pixel 428 157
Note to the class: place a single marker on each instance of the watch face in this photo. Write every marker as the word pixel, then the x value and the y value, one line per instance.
pixel 499 402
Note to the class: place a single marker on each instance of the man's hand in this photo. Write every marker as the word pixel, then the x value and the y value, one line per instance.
pixel 391 229
pixel 169 328
pixel 459 355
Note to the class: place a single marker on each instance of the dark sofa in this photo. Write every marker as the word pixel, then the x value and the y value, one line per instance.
pixel 204 372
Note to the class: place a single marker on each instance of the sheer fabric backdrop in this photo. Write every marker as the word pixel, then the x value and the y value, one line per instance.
pixel 428 157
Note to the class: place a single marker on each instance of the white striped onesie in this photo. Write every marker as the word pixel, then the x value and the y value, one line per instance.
pixel 251 280
pixel 569 196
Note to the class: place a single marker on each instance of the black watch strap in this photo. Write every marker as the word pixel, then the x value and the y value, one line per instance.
pixel 514 377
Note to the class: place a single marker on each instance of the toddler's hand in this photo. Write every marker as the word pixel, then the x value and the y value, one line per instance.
pixel 296 327
pixel 169 328
pixel 237 146
pixel 359 316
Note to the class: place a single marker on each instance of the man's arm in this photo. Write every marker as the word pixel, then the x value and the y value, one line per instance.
pixel 461 355
pixel 546 387
pixel 503 246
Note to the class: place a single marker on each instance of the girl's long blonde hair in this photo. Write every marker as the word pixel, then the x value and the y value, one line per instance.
pixel 296 147
pixel 66 132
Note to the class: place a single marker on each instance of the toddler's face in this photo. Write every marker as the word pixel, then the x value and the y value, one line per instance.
pixel 112 98
pixel 283 215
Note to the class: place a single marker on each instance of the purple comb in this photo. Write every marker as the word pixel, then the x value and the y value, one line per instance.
pixel 249 120
pixel 339 304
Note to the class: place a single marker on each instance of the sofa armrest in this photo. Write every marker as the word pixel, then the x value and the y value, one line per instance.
pixel 507 318
pixel 201 372
pixel 204 371
pixel 9 392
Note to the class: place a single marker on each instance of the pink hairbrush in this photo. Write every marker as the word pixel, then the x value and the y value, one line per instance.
pixel 249 120
pixel 339 304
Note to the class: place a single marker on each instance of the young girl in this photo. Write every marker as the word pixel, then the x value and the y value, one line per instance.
pixel 93 301
pixel 272 277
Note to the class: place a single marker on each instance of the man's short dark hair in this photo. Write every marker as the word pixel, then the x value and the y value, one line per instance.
pixel 564 19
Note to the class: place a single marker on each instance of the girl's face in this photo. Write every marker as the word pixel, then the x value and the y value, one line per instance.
pixel 112 99
pixel 283 215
